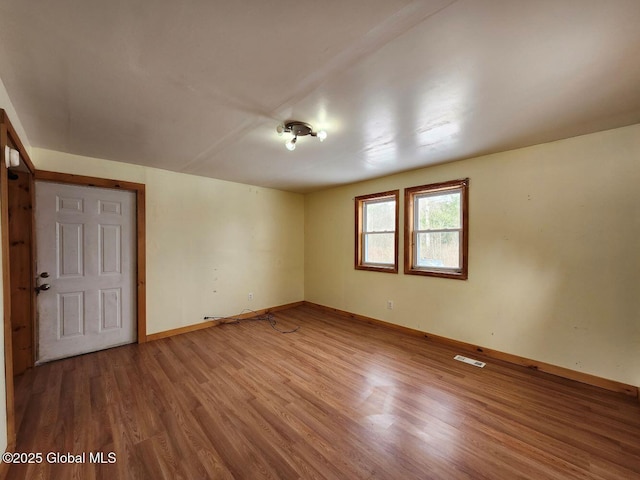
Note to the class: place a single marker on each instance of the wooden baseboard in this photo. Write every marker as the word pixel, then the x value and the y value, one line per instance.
pixel 563 372
pixel 213 323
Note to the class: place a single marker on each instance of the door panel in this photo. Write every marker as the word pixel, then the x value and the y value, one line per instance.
pixel 86 243
pixel 70 314
pixel 70 242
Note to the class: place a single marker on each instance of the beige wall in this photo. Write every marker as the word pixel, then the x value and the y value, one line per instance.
pixel 209 242
pixel 7 106
pixel 554 265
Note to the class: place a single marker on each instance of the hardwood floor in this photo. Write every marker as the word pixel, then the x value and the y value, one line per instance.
pixel 337 399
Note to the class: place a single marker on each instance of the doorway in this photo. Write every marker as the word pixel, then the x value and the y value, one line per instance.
pixel 85 244
pixel 137 190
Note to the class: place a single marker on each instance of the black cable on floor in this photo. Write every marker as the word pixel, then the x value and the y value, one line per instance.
pixel 269 317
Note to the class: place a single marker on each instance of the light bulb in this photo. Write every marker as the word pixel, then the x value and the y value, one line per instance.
pixel 291 144
pixel 321 135
pixel 280 129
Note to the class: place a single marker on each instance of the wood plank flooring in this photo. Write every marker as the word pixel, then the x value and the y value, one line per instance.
pixel 338 399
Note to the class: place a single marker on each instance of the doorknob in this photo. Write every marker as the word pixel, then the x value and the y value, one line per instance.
pixel 44 286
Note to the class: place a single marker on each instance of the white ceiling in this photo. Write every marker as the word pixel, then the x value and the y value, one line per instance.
pixel 200 86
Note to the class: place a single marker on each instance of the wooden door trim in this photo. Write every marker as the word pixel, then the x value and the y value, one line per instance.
pixel 141 262
pixel 22 277
pixel 6 291
pixel 8 136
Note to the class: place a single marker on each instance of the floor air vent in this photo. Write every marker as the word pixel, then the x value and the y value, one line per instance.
pixel 470 361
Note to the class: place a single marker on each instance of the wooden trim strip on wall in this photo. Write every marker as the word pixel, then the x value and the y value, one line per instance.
pixel 141 246
pixel 34 262
pixel 563 372
pixel 87 181
pixel 213 323
pixel 22 275
pixel 6 287
pixel 141 271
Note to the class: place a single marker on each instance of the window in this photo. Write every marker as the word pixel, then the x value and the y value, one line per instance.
pixel 436 239
pixel 377 232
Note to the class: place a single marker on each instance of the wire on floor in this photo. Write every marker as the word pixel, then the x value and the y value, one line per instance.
pixel 267 317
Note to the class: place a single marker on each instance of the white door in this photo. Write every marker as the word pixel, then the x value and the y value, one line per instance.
pixel 85 240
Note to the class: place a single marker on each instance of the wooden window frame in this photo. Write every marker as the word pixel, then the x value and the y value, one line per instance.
pixel 462 273
pixel 360 234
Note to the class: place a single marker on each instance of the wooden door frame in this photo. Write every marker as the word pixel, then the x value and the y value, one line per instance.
pixel 141 256
pixel 22 274
pixel 8 136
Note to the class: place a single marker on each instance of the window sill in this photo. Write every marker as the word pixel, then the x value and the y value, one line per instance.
pixel 436 273
pixel 390 269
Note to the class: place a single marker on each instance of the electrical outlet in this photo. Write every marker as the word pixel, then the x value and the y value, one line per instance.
pixel 250 296
pixel 390 304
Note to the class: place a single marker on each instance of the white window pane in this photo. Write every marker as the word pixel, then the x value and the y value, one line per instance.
pixel 439 211
pixel 379 248
pixel 380 216
pixel 440 249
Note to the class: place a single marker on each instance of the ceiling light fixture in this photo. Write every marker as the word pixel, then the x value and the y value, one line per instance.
pixel 298 129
